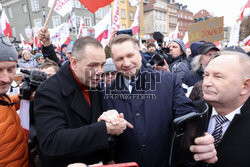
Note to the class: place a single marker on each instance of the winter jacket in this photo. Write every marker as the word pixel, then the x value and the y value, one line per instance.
pixel 13 145
pixel 26 63
pixel 191 77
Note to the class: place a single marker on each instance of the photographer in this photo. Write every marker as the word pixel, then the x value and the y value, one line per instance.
pixel 14 149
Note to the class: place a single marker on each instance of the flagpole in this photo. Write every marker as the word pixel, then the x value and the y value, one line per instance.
pixel 50 13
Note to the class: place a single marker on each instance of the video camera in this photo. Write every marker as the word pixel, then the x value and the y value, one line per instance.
pixel 161 53
pixel 31 81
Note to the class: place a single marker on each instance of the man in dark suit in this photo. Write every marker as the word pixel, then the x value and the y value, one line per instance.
pixel 67 106
pixel 226 87
pixel 150 100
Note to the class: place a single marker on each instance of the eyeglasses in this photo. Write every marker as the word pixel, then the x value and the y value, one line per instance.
pixel 9 41
pixel 109 73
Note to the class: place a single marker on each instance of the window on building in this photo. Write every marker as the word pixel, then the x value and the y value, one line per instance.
pixel 131 15
pixel 121 0
pixel 156 28
pixel 24 8
pixel 13 29
pixel 160 28
pixel 164 16
pixel 87 21
pixel 164 28
pixel 156 14
pixel 98 14
pixel 35 5
pixel 123 26
pixel 56 21
pixel 160 15
pixel 76 4
pixel 169 9
pixel 123 14
pixel 78 21
pixel 10 12
pixel 38 22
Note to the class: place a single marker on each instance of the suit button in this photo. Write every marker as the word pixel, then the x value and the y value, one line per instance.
pixel 138 114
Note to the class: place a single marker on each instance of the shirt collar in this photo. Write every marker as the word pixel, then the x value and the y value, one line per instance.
pixel 229 116
pixel 127 81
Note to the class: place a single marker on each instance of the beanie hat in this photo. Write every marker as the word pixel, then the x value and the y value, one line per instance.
pixel 235 49
pixel 25 51
pixel 206 46
pixel 63 46
pixel 8 52
pixel 180 42
pixel 109 66
pixel 37 55
pixel 194 48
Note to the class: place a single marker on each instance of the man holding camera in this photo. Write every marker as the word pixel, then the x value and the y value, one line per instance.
pixel 14 149
pixel 67 107
pixel 150 100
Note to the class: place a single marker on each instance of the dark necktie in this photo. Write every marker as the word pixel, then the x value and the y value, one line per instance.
pixel 217 133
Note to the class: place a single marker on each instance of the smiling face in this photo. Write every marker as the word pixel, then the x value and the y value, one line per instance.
pixel 223 83
pixel 127 58
pixel 89 69
pixel 7 73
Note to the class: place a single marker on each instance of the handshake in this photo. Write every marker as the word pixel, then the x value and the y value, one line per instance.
pixel 115 122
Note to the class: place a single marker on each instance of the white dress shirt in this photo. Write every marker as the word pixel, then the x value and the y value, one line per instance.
pixel 229 116
pixel 127 83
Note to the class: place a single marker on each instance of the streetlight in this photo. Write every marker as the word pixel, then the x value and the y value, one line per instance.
pixel 44 13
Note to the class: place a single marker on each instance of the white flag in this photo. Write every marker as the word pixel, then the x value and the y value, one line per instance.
pixel 134 2
pixel 103 29
pixel 175 33
pixel 62 6
pixel 116 21
pixel 136 24
pixel 234 35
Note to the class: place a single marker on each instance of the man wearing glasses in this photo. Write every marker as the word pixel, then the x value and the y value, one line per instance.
pixel 14 149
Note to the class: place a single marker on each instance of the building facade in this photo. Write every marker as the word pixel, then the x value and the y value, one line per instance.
pixel 32 13
pixel 202 15
pixel 172 16
pixel 185 17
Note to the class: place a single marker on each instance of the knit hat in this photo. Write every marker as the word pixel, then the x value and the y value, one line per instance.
pixel 206 46
pixel 109 66
pixel 180 42
pixel 25 51
pixel 37 55
pixel 235 49
pixel 8 52
pixel 194 48
pixel 63 45
pixel 69 48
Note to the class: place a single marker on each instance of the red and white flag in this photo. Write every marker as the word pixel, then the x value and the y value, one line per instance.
pixel 25 117
pixel 103 29
pixel 185 40
pixel 60 35
pixel 36 42
pixel 62 6
pixel 245 10
pixel 136 23
pixel 94 5
pixel 116 16
pixel 83 30
pixel 246 41
pixel 5 25
pixel 22 40
pixel 175 34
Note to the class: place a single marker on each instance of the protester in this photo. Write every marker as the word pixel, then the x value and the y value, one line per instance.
pixel 67 107
pixel 39 59
pixel 148 99
pixel 14 149
pixel 27 60
pixel 179 64
pixel 206 51
pixel 110 72
pixel 49 67
pixel 226 89
pixel 151 48
pixel 63 51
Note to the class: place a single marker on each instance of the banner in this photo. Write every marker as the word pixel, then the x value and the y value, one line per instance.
pixel 62 6
pixel 175 34
pixel 5 25
pixel 211 30
pixel 60 35
pixel 94 5
pixel 116 16
pixel 136 24
pixel 234 35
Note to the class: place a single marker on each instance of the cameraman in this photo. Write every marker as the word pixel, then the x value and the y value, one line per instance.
pixel 14 149
pixel 179 64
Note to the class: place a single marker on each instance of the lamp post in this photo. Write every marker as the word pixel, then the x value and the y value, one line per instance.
pixel 43 14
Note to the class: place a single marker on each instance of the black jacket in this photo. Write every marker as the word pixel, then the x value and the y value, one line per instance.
pixel 191 77
pixel 66 125
pixel 234 148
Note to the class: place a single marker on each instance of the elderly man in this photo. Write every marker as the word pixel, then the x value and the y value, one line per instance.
pixel 148 99
pixel 66 109
pixel 14 149
pixel 226 87
pixel 206 51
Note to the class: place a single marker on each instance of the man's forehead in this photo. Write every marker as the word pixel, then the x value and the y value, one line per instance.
pixel 7 64
pixel 223 62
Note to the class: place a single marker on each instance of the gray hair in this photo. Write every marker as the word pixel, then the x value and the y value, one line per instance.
pixel 80 45
pixel 195 64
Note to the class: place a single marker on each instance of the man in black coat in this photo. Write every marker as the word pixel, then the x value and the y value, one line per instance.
pixel 226 87
pixel 66 109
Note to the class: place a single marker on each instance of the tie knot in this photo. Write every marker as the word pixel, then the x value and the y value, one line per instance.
pixel 132 83
pixel 220 119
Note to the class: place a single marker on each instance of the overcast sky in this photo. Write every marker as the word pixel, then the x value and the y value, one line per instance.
pixel 230 9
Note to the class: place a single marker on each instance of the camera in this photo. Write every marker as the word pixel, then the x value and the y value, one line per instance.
pixel 161 54
pixel 127 31
pixel 31 81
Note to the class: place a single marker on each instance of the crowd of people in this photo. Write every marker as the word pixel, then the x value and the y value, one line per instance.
pixel 120 109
